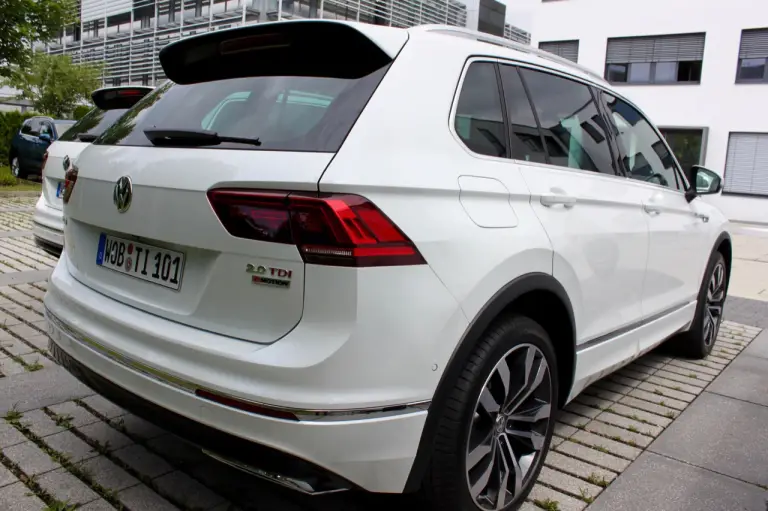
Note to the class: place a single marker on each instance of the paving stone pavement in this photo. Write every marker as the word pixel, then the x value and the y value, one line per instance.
pixel 60 443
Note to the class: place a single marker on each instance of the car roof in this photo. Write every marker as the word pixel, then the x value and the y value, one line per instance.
pixel 487 44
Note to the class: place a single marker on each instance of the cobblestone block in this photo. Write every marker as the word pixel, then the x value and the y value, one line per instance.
pixel 641 415
pixel 141 498
pixel 17 497
pixel 658 399
pixel 685 379
pixel 9 435
pixel 699 370
pixel 627 423
pixel 586 453
pixel 104 407
pixel 567 483
pixel 143 461
pixel 137 427
pixel 667 392
pixel 78 416
pixel 97 505
pixel 40 423
pixel 107 436
pixel 612 446
pixel 576 421
pixel 618 434
pixel 564 502
pixel 181 488
pixel 38 341
pixel 674 385
pixel 67 443
pixel 578 468
pixel 579 409
pixel 107 474
pixel 9 367
pixel 6 477
pixel 641 404
pixel 30 459
pixel 65 487
pixel 15 346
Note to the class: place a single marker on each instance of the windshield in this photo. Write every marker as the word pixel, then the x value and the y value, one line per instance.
pixel 62 127
pixel 93 123
pixel 289 113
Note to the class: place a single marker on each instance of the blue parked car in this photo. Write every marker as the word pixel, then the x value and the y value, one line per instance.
pixel 30 143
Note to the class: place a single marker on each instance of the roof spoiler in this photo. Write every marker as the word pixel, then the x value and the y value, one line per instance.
pixel 287 48
pixel 113 98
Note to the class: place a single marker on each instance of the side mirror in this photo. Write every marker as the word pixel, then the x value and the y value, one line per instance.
pixel 45 137
pixel 706 181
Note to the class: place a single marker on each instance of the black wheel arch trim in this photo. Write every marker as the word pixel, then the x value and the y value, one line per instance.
pixel 479 325
pixel 725 236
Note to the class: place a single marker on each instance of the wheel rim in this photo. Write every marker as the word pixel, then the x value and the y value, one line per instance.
pixel 509 427
pixel 15 167
pixel 713 312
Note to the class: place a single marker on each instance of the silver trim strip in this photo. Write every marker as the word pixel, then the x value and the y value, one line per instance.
pixel 303 415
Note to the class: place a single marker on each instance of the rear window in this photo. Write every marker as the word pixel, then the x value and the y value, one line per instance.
pixel 93 123
pixel 285 113
pixel 62 127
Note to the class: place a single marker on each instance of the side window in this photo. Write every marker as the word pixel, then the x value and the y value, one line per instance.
pixel 644 154
pixel 26 128
pixel 527 143
pixel 570 123
pixel 46 127
pixel 34 126
pixel 479 120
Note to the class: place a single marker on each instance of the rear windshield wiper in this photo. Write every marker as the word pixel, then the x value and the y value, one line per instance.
pixel 193 138
pixel 86 137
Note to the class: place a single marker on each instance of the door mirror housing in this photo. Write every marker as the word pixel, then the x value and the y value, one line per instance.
pixel 706 181
pixel 45 137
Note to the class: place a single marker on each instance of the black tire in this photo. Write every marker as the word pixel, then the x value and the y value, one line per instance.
pixel 17 169
pixel 698 341
pixel 446 486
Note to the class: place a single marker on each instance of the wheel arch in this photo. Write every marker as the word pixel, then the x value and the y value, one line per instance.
pixel 536 295
pixel 724 245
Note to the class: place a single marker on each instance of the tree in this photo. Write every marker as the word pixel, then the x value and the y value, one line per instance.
pixel 54 84
pixel 23 22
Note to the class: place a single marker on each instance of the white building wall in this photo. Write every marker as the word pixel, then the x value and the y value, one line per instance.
pixel 717 103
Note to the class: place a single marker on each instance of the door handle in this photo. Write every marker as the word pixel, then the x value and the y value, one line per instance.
pixel 651 210
pixel 704 218
pixel 553 199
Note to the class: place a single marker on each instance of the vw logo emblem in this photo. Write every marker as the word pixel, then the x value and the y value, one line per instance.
pixel 65 163
pixel 123 194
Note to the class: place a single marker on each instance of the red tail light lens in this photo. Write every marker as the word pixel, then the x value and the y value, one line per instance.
pixel 336 230
pixel 70 179
pixel 45 160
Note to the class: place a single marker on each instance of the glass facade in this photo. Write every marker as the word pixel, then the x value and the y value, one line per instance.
pixel 127 35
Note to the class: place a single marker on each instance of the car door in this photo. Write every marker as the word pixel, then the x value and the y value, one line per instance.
pixel 594 221
pixel 28 140
pixel 40 145
pixel 677 230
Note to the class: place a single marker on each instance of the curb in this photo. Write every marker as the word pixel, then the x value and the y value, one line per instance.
pixel 19 194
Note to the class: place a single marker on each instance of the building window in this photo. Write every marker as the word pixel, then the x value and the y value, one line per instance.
pixel 688 144
pixel 657 59
pixel 753 56
pixel 746 164
pixel 566 49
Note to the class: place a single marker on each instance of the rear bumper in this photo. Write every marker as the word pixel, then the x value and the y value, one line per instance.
pixel 48 227
pixel 372 450
pixel 276 466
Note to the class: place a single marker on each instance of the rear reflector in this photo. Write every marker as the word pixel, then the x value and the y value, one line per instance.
pixel 334 230
pixel 42 167
pixel 70 179
pixel 246 406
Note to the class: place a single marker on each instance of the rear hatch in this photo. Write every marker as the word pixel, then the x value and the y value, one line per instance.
pixel 263 107
pixel 111 103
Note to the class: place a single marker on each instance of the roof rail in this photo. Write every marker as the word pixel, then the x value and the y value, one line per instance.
pixel 507 43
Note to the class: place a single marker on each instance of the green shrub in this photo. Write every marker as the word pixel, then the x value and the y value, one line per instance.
pixel 6 178
pixel 10 122
pixel 80 111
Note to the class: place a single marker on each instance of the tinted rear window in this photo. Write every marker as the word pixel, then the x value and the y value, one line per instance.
pixel 93 123
pixel 286 113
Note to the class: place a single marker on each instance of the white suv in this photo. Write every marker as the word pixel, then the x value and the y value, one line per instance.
pixel 341 256
pixel 111 103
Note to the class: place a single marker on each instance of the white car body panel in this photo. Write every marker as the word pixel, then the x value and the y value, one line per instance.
pixel 350 339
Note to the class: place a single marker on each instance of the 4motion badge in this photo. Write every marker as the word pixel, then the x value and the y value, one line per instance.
pixel 277 277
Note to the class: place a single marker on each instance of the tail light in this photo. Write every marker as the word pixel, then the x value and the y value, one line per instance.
pixel 335 230
pixel 45 160
pixel 70 179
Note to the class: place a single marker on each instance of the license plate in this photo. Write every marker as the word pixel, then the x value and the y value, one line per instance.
pixel 153 264
pixel 59 189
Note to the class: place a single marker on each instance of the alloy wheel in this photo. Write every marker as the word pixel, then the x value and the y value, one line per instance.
pixel 713 313
pixel 15 167
pixel 509 427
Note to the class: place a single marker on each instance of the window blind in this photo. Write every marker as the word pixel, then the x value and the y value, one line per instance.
pixel 566 49
pixel 667 48
pixel 754 44
pixel 746 166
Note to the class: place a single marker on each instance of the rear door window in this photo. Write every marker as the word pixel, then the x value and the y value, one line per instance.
pixel 479 118
pixel 570 123
pixel 527 143
pixel 289 113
